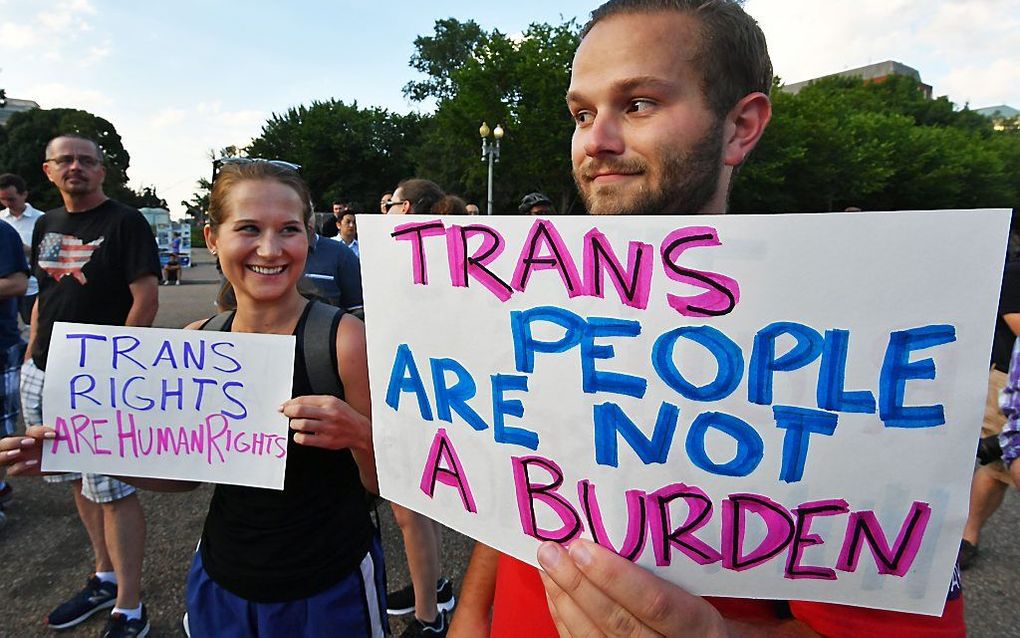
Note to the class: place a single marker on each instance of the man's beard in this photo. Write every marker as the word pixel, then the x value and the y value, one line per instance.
pixel 83 185
pixel 685 183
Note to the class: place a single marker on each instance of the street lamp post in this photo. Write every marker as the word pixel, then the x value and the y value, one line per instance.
pixel 490 152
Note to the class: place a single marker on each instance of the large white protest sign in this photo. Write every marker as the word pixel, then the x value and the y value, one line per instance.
pixel 757 406
pixel 176 404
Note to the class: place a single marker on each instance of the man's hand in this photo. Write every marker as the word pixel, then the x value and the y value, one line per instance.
pixel 594 592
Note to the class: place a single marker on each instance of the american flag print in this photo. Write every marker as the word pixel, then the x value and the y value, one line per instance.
pixel 63 255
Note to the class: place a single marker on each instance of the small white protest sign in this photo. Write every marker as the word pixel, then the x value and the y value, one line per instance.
pixel 175 404
pixel 769 406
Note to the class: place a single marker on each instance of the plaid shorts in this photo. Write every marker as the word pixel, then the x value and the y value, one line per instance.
pixel 98 488
pixel 10 404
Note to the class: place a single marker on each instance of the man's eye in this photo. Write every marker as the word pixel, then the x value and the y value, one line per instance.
pixel 637 106
pixel 583 118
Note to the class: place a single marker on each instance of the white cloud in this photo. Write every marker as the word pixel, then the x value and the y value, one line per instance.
pixel 58 95
pixel 206 108
pixel 95 54
pixel 56 20
pixel 166 118
pixel 953 44
pixel 984 85
pixel 953 26
pixel 17 36
pixel 242 119
pixel 185 136
pixel 81 6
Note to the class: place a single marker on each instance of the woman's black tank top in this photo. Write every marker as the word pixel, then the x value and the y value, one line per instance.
pixel 276 546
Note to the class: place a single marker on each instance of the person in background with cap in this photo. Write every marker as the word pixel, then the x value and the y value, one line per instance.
pixel 536 204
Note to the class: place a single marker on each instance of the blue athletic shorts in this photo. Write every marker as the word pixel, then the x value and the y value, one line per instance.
pixel 356 606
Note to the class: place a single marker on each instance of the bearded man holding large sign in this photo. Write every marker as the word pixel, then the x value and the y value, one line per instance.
pixel 669 98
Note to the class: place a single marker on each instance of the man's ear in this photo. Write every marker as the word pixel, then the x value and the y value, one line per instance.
pixel 744 127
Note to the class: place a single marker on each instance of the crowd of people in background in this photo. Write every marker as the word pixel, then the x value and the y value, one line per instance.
pixel 316 567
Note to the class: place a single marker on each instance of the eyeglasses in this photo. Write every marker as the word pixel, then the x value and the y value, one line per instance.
pixel 63 161
pixel 394 202
pixel 225 161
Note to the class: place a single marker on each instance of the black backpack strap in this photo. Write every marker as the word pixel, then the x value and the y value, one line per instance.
pixel 318 343
pixel 218 322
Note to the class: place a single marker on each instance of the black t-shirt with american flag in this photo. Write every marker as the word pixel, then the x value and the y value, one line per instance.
pixel 85 262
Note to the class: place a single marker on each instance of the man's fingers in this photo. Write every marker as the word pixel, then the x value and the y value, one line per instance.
pixel 567 616
pixel 657 604
pixel 601 614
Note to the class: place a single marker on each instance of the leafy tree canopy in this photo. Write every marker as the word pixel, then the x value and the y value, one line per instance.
pixel 519 82
pixel 23 143
pixel 347 153
pixel 843 142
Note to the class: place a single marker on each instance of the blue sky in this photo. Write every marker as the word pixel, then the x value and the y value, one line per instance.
pixel 180 78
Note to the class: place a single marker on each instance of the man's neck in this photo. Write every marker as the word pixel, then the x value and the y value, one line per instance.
pixel 82 203
pixel 18 213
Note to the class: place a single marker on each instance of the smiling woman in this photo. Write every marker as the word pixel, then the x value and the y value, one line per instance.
pixel 316 561
pixel 259 215
pixel 305 560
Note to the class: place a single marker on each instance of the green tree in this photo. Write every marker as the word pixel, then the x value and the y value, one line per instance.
pixel 478 76
pixel 345 152
pixel 843 142
pixel 198 205
pixel 440 55
pixel 22 151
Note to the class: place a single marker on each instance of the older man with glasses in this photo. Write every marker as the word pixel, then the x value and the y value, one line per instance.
pixel 97 262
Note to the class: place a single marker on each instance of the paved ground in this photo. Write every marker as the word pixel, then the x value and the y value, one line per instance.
pixel 45 555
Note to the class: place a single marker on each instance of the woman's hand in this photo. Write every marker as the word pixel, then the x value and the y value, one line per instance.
pixel 327 422
pixel 21 455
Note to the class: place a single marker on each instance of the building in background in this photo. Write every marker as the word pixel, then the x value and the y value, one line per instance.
pixel 1002 116
pixel 9 106
pixel 871 73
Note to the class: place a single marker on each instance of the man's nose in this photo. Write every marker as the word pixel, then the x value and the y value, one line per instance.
pixel 604 136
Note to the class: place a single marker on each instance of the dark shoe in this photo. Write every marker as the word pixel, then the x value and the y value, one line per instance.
pixel 444 595
pixel 97 595
pixel 118 626
pixel 401 602
pixel 6 494
pixel 418 629
pixel 968 554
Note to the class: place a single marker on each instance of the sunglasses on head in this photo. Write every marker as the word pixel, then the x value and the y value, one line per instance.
pixel 227 161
